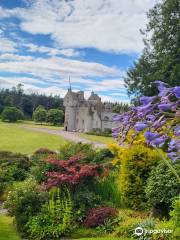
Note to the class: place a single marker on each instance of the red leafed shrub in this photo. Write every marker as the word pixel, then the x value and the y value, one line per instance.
pixel 44 151
pixel 97 216
pixel 69 172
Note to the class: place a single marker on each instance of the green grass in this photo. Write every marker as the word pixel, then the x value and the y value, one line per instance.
pixel 7 230
pixel 16 139
pixel 104 238
pixel 37 125
pixel 96 138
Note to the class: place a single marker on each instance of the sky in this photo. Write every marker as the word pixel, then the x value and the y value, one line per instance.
pixel 95 42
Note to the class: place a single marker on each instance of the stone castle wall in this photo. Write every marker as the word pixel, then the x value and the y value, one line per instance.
pixel 86 115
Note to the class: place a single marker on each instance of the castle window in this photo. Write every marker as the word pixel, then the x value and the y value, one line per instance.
pixel 106 118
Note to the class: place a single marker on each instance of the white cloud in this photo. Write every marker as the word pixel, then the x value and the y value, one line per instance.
pixel 50 67
pixel 7 45
pixel 108 25
pixel 69 52
pixel 14 57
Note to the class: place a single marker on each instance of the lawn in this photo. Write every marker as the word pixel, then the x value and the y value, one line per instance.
pixel 16 139
pixel 37 125
pixel 6 229
pixel 96 138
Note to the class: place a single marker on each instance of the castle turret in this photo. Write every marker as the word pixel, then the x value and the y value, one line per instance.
pixel 70 103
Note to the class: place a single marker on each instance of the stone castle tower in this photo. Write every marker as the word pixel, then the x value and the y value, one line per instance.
pixel 86 115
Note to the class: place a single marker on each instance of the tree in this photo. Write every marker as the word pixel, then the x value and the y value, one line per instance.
pixel 162 187
pixel 39 115
pixel 160 57
pixel 120 107
pixel 16 97
pixel 55 116
pixel 11 114
pixel 26 106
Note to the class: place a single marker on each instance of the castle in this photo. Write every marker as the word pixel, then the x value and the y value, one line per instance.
pixel 87 115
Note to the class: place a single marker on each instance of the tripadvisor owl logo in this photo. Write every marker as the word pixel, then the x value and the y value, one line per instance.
pixel 138 231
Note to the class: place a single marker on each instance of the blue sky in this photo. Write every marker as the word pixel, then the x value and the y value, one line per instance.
pixel 43 42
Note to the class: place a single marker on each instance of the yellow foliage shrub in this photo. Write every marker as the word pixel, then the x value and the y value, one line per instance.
pixel 135 163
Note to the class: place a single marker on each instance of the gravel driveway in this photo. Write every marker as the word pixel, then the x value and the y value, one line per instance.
pixel 71 136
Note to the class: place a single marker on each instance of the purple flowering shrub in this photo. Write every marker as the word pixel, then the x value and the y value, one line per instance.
pixel 159 118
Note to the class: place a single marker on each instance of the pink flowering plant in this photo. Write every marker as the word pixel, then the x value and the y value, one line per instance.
pixel 159 118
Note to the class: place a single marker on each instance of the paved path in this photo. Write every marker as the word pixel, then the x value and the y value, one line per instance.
pixel 71 136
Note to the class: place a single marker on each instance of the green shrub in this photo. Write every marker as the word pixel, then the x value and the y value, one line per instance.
pixel 162 187
pixel 147 225
pixel 91 155
pixel 38 164
pixel 55 117
pixel 13 167
pixel 109 225
pixel 44 152
pixel 98 132
pixel 136 165
pixel 24 201
pixel 128 220
pixel 84 199
pixel 103 155
pixel 107 189
pixel 55 217
pixel 70 149
pixel 39 115
pixel 11 114
pixel 175 217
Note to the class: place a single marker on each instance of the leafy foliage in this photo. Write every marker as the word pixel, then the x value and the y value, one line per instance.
pixel 38 164
pixel 24 201
pixel 175 217
pixel 160 58
pixel 109 225
pixel 13 167
pixel 161 226
pixel 39 115
pixel 69 172
pixel 44 151
pixel 55 117
pixel 11 114
pixel 120 107
pixel 136 165
pixel 97 216
pixel 54 219
pixel 70 149
pixel 16 97
pixel 90 155
pixel 161 189
pixel 128 221
pixel 107 189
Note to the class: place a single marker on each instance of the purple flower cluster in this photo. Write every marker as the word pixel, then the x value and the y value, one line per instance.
pixel 159 118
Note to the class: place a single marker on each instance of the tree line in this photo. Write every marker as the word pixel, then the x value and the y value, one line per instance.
pixel 27 103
